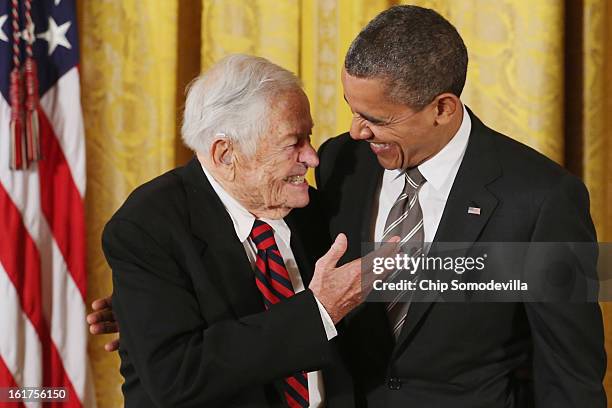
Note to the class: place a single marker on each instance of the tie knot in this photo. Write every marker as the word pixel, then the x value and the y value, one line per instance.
pixel 414 178
pixel 262 236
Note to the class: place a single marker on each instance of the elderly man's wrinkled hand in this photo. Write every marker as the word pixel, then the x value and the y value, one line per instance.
pixel 341 289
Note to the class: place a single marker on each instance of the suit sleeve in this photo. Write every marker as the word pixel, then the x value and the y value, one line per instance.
pixel 179 358
pixel 569 359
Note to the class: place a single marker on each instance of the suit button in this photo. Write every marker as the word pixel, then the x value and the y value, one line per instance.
pixel 394 383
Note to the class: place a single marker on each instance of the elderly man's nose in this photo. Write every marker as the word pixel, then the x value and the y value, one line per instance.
pixel 308 156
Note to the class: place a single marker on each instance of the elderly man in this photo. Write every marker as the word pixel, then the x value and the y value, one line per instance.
pixel 213 276
pixel 411 136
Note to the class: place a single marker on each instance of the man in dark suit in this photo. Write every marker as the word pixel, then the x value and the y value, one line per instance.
pixel 412 137
pixel 213 277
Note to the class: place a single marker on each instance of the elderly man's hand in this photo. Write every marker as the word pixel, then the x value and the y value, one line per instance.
pixel 341 289
pixel 102 321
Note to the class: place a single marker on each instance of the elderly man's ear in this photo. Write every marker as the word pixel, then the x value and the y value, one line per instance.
pixel 222 156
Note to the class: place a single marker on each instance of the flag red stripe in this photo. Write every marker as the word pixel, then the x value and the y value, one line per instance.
pixel 62 204
pixel 21 261
pixel 7 380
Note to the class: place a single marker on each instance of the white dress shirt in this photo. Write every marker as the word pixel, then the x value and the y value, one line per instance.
pixel 439 172
pixel 243 224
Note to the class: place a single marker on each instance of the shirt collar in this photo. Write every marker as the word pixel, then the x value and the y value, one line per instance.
pixel 241 218
pixel 439 168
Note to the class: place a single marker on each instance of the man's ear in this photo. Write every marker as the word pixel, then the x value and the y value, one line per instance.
pixel 222 156
pixel 447 106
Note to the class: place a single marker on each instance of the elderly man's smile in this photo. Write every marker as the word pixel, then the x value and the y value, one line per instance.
pixel 296 180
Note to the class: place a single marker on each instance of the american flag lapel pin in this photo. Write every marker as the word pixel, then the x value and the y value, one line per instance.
pixel 474 210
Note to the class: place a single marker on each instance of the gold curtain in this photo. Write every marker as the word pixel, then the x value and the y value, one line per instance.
pixel 597 106
pixel 596 132
pixel 515 75
pixel 539 72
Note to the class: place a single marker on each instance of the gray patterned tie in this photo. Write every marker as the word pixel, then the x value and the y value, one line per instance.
pixel 406 221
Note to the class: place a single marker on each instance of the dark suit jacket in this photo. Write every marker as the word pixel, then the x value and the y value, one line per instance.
pixel 467 354
pixel 194 331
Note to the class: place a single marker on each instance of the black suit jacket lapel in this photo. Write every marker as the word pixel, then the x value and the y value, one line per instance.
pixel 222 254
pixel 477 170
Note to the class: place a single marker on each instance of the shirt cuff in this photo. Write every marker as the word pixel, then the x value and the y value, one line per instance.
pixel 328 323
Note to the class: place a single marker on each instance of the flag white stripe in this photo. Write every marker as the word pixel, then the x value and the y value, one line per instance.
pixel 62 105
pixel 64 309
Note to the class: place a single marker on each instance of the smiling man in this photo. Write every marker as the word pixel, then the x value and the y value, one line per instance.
pixel 213 262
pixel 412 137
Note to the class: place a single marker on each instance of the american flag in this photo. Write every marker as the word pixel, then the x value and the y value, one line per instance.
pixel 43 333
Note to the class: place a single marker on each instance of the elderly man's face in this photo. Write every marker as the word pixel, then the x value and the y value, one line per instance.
pixel 399 136
pixel 271 182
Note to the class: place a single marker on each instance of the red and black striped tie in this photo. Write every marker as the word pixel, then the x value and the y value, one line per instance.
pixel 273 282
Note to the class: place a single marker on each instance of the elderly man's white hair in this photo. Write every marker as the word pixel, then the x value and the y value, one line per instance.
pixel 232 99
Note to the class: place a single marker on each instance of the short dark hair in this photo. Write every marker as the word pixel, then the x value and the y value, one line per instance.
pixel 416 50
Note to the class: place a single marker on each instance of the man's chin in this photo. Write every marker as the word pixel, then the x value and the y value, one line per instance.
pixel 282 212
pixel 299 202
pixel 388 162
